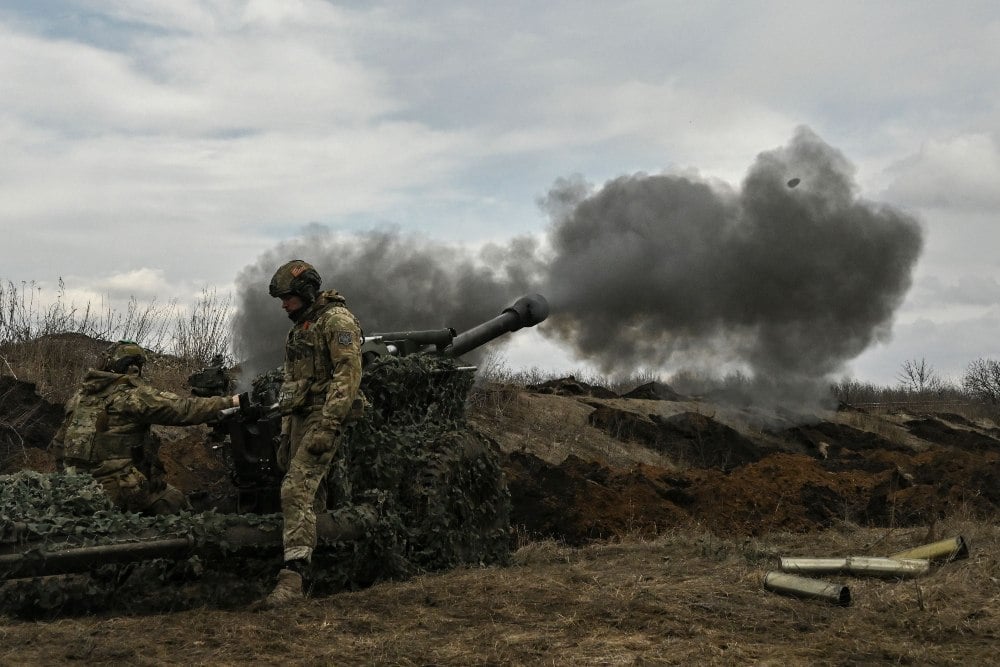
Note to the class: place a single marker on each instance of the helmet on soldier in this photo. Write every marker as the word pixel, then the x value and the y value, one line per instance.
pixel 121 356
pixel 296 278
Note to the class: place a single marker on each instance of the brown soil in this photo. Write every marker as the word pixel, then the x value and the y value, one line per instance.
pixel 666 512
pixel 27 422
pixel 582 468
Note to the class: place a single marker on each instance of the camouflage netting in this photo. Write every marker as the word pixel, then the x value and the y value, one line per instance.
pixel 443 478
pixel 423 490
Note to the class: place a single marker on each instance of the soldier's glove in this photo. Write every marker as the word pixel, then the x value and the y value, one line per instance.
pixel 322 437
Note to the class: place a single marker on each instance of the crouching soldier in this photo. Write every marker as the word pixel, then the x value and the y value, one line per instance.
pixel 107 431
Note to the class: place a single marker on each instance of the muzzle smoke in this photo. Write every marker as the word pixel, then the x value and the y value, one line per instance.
pixel 391 281
pixel 786 281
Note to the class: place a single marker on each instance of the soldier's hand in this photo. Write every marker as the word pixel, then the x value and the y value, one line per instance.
pixel 321 438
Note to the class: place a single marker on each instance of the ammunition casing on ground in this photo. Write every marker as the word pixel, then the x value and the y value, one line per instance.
pixel 805 587
pixel 858 565
pixel 944 550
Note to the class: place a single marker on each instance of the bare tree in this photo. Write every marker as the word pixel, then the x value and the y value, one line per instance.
pixel 205 332
pixel 982 380
pixel 918 376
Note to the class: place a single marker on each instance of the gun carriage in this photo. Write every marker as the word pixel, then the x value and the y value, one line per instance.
pixel 415 488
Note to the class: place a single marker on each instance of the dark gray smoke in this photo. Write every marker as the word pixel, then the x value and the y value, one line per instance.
pixel 790 281
pixel 391 281
pixel 787 282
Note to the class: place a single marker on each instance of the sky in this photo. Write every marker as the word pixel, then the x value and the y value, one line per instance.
pixel 157 149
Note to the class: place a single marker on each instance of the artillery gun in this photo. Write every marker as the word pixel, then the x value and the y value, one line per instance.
pixel 252 432
pixel 416 489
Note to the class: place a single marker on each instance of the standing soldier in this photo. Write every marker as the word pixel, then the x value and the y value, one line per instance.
pixel 107 431
pixel 319 392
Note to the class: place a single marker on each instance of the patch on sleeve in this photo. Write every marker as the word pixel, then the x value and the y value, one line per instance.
pixel 344 338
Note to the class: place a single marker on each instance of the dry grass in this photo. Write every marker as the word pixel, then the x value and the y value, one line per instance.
pixel 57 364
pixel 687 597
pixel 551 428
pixel 494 369
pixel 684 598
pixel 53 345
pixel 881 425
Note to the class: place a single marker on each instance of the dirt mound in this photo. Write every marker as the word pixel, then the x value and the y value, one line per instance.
pixel 655 391
pixel 829 439
pixel 689 437
pixel 672 465
pixel 578 500
pixel 193 466
pixel 937 431
pixel 570 386
pixel 27 421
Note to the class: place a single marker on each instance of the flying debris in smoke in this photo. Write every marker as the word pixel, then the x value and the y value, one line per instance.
pixel 789 283
pixel 788 278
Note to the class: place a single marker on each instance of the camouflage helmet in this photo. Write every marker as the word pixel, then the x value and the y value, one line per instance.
pixel 122 355
pixel 295 277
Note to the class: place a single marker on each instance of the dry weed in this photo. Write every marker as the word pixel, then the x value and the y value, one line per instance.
pixel 687 597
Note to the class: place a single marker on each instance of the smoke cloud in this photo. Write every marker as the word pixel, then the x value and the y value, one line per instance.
pixel 788 277
pixel 793 274
pixel 391 281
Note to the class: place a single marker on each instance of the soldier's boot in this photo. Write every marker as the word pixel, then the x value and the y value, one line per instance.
pixel 288 589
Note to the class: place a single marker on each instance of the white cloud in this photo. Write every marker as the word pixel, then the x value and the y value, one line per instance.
pixel 687 128
pixel 961 172
pixel 78 89
pixel 948 346
pixel 163 145
pixel 140 283
pixel 184 15
pixel 298 75
pixel 965 290
pixel 212 16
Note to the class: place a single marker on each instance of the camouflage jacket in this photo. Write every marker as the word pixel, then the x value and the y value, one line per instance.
pixel 323 360
pixel 112 413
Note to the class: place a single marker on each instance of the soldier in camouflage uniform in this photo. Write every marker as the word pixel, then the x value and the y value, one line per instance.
pixel 107 431
pixel 319 393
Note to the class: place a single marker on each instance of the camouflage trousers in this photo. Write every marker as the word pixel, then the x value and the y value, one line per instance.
pixel 130 490
pixel 302 490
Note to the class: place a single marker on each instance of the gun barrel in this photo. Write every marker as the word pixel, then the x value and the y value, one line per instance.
pixel 437 337
pixel 81 559
pixel 242 536
pixel 525 312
